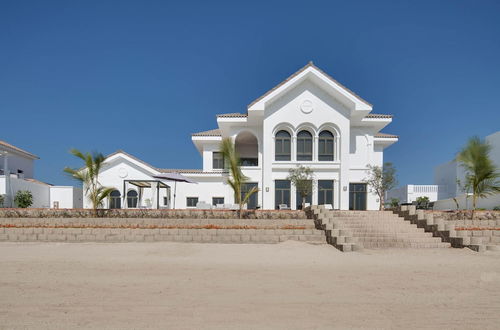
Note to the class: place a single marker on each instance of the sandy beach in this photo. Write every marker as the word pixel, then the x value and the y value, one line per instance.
pixel 283 286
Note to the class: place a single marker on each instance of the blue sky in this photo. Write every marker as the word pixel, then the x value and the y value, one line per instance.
pixel 143 75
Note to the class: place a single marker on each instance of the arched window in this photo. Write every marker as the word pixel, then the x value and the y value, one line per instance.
pixel 304 146
pixel 132 199
pixel 115 200
pixel 282 144
pixel 325 146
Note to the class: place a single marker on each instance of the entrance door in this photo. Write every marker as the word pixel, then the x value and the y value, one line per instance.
pixel 252 201
pixel 357 196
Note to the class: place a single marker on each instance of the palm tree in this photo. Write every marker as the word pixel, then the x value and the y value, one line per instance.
pixel 481 175
pixel 236 178
pixel 89 175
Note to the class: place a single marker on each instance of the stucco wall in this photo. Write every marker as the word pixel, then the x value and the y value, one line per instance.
pixel 17 162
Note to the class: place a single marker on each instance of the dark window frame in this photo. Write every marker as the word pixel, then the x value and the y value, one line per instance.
pixel 115 201
pixel 217 199
pixel 282 192
pixel 189 201
pixel 326 140
pixel 304 146
pixel 217 162
pixel 282 146
pixel 132 199
pixel 323 192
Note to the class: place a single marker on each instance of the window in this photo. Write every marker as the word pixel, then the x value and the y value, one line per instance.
pixel 132 199
pixel 282 144
pixel 115 200
pixel 325 146
pixel 325 192
pixel 249 162
pixel 218 161
pixel 252 201
pixel 217 200
pixel 191 201
pixel 281 193
pixel 165 201
pixel 304 146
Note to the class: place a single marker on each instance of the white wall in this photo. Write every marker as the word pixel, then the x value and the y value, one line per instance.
pixel 466 203
pixel 409 193
pixel 67 196
pixel 39 191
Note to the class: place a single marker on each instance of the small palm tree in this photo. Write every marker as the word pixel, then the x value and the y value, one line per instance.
pixel 236 178
pixel 89 175
pixel 482 176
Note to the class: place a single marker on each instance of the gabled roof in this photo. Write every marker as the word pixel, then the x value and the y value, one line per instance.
pixel 212 132
pixel 188 171
pixel 19 150
pixel 309 65
pixel 386 136
pixel 133 157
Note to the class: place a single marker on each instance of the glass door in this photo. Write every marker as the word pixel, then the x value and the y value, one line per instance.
pixel 357 196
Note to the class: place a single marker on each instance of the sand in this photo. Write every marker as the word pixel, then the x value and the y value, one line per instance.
pixel 216 286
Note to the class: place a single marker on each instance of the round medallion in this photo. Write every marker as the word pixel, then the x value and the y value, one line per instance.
pixel 122 173
pixel 306 106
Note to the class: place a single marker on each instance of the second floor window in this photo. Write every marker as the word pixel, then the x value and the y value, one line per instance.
pixel 304 146
pixel 282 143
pixel 218 161
pixel 325 146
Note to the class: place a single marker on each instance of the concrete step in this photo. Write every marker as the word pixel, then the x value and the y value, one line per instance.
pixel 378 245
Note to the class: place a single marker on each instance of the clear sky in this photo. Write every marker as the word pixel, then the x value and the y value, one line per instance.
pixel 143 75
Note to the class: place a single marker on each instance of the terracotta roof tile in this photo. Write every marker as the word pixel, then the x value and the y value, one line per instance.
pixel 212 132
pixel 233 115
pixel 386 136
pixel 377 115
pixel 10 146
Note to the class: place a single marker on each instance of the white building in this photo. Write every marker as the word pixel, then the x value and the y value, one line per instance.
pixel 410 192
pixel 309 119
pixel 448 174
pixel 17 173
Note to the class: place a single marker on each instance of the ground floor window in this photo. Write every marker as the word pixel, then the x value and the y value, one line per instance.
pixel 132 199
pixel 281 194
pixel 325 192
pixel 253 200
pixel 357 196
pixel 308 198
pixel 217 200
pixel 115 200
pixel 191 201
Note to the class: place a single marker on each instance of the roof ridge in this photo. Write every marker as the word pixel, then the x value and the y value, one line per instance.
pixel 293 75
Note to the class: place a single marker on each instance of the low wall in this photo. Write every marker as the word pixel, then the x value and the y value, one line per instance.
pixel 147 213
pixel 466 215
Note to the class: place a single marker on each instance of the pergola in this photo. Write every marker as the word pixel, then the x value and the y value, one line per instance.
pixel 142 184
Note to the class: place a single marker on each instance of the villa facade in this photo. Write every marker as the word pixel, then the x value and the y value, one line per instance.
pixel 309 119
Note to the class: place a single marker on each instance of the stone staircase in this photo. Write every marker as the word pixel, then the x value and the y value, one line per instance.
pixel 157 230
pixel 353 230
pixel 477 235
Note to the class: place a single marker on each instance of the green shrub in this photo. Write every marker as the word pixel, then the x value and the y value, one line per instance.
pixel 2 199
pixel 23 199
pixel 496 208
pixel 394 202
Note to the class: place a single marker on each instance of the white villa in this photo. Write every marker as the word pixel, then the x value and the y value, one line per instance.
pixel 17 173
pixel 309 119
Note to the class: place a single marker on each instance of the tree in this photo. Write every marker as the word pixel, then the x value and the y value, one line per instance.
pixel 89 175
pixel 23 199
pixel 423 202
pixel 481 174
pixel 394 202
pixel 236 178
pixel 302 178
pixel 381 180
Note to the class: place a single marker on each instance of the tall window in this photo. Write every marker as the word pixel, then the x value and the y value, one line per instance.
pixel 325 146
pixel 217 161
pixel 132 199
pixel 298 197
pixel 282 145
pixel 244 189
pixel 115 200
pixel 325 192
pixel 304 146
pixel 281 193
